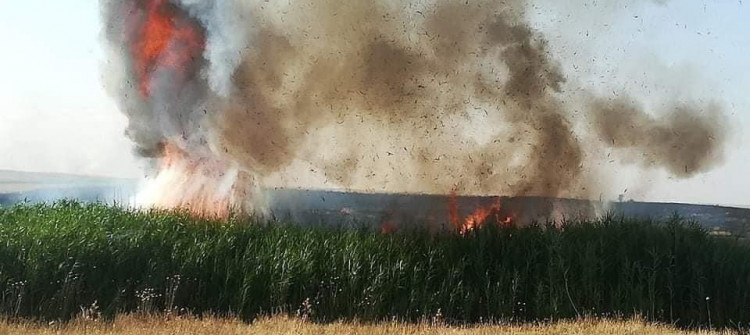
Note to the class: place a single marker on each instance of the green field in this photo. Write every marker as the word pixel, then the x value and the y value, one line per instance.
pixel 56 260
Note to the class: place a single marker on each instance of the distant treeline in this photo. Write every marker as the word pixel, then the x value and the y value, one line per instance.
pixel 57 260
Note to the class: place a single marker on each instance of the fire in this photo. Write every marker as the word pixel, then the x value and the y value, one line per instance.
pixel 477 218
pixel 201 186
pixel 167 39
pixel 387 227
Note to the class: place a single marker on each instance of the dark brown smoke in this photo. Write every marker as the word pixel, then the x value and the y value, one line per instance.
pixel 686 140
pixel 410 76
pixel 406 96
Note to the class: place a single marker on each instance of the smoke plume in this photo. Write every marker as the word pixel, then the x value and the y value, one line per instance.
pixel 397 96
pixel 684 141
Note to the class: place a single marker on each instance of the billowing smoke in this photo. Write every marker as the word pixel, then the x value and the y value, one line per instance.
pixel 684 141
pixel 397 96
pixel 158 64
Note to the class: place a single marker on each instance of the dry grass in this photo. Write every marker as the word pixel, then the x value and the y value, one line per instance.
pixel 138 325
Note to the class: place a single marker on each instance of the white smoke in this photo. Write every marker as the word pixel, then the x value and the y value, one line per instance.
pixel 227 38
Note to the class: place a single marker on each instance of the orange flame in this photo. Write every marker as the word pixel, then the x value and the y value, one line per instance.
pixel 167 39
pixel 477 218
pixel 387 227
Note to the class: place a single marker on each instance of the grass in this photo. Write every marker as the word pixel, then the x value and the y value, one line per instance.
pixel 138 325
pixel 56 260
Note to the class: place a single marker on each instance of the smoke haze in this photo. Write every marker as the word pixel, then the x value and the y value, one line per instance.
pixel 420 96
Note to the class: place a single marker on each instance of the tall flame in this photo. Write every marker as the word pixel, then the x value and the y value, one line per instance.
pixel 166 40
pixel 200 186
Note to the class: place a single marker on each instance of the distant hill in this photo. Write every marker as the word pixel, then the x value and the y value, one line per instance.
pixel 309 206
pixel 20 181
pixel 18 186
pixel 333 207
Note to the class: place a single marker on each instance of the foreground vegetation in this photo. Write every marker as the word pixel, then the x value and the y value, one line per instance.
pixel 58 260
pixel 135 325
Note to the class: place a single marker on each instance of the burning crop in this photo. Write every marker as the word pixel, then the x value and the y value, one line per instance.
pixel 178 184
pixel 489 213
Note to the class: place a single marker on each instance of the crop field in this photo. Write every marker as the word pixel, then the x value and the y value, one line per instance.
pixel 57 261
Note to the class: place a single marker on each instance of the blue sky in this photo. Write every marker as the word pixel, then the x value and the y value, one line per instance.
pixel 56 115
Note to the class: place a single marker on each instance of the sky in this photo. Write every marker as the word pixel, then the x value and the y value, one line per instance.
pixel 55 115
pixel 686 50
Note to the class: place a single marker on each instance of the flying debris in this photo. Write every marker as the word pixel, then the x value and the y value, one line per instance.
pixel 230 97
